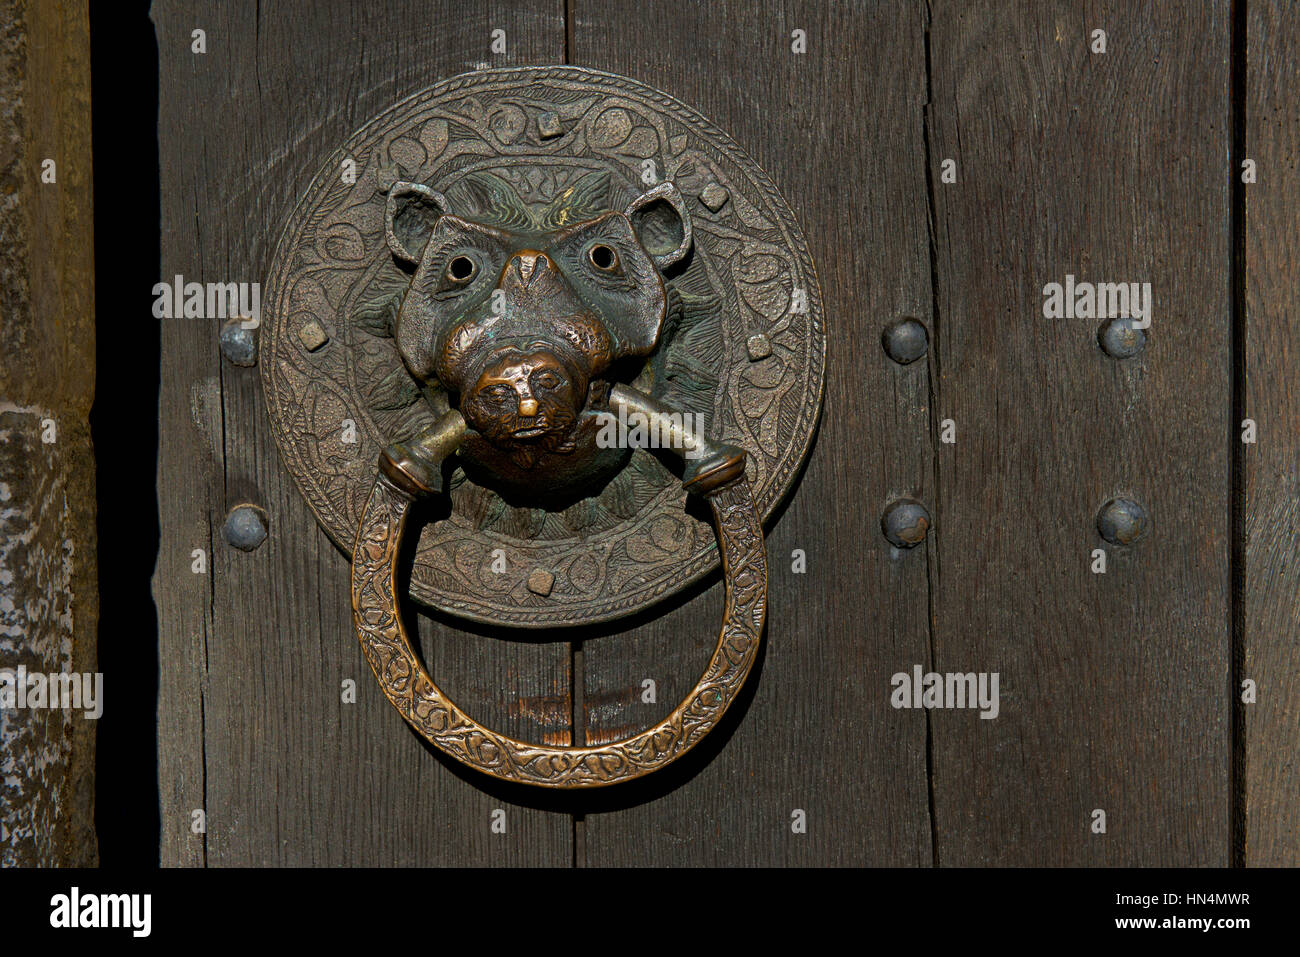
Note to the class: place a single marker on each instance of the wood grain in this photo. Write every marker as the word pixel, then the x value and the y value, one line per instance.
pixel 251 724
pixel 839 129
pixel 1111 167
pixel 49 599
pixel 1115 690
pixel 1271 576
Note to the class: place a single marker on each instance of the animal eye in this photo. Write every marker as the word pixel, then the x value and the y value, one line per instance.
pixel 461 269
pixel 547 380
pixel 603 257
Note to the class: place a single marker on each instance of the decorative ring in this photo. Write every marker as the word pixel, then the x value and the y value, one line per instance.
pixel 406 682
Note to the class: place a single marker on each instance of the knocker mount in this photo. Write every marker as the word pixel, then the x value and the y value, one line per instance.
pixel 525 258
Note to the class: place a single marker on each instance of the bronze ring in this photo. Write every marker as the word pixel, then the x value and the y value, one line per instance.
pixel 406 682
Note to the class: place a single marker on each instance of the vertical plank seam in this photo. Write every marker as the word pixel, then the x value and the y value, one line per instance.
pixel 931 548
pixel 209 625
pixel 203 684
pixel 214 542
pixel 1237 518
pixel 215 519
pixel 578 737
pixel 568 31
pixel 257 46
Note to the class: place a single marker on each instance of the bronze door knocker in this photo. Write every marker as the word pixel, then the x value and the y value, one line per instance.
pixel 539 288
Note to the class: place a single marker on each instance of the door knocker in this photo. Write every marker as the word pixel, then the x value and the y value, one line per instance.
pixel 562 301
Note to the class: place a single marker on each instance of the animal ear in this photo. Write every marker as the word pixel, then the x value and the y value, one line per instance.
pixel 660 220
pixel 409 217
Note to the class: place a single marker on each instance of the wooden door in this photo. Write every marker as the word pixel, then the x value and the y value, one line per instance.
pixel 948 161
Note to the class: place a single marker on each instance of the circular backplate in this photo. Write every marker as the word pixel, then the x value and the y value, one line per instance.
pixel 743 347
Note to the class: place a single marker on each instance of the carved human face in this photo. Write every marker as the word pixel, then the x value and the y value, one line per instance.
pixel 525 397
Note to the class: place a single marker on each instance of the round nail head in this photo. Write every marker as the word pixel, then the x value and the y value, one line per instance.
pixel 1121 339
pixel 239 342
pixel 245 527
pixel 905 523
pixel 906 341
pixel 1122 521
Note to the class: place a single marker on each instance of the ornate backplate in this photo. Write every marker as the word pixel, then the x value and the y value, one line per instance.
pixel 743 346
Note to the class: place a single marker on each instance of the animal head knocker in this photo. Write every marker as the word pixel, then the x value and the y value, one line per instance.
pixel 522 312
pixel 515 318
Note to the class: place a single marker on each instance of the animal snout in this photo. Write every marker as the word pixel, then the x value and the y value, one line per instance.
pixel 527 266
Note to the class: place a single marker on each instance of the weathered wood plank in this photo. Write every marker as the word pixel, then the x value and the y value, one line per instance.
pixel 1111 167
pixel 251 723
pixel 48 588
pixel 840 130
pixel 1272 465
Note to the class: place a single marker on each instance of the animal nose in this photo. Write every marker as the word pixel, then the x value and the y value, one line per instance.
pixel 528 407
pixel 531 263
